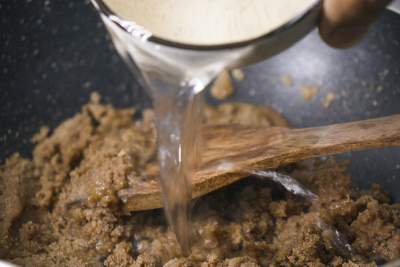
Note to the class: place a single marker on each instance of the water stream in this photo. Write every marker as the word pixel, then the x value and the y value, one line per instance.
pixel 177 120
pixel 174 78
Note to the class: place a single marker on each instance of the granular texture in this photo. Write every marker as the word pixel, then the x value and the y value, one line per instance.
pixel 61 208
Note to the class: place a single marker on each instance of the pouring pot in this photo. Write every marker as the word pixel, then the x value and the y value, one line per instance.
pixel 205 57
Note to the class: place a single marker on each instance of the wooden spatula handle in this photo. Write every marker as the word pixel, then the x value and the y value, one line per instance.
pixel 232 151
pixel 268 147
pixel 249 149
pixel 337 138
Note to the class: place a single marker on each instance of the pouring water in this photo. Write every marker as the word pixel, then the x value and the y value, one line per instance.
pixel 179 47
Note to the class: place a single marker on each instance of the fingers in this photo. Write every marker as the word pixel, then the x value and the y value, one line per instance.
pixel 344 22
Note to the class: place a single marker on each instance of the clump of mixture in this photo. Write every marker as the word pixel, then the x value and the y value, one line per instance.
pixel 61 208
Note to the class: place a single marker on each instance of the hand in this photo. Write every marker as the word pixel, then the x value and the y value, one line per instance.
pixel 344 22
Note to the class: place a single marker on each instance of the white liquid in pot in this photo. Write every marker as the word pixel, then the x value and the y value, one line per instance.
pixel 209 22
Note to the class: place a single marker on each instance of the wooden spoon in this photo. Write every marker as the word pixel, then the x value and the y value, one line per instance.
pixel 232 151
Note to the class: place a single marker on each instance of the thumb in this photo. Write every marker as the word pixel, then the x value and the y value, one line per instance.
pixel 344 22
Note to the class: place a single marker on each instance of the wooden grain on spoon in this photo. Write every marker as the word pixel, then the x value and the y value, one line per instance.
pixel 231 151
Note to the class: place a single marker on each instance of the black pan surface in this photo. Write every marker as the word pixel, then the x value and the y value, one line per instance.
pixel 54 53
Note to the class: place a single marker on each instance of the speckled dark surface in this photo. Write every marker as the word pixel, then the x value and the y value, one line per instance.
pixel 53 53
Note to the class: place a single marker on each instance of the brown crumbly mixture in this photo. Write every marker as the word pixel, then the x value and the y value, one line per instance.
pixel 62 208
pixel 328 100
pixel 309 92
pixel 244 114
pixel 287 80
pixel 238 74
pixel 222 87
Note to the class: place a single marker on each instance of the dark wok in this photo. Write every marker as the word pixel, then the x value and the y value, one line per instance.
pixel 54 53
